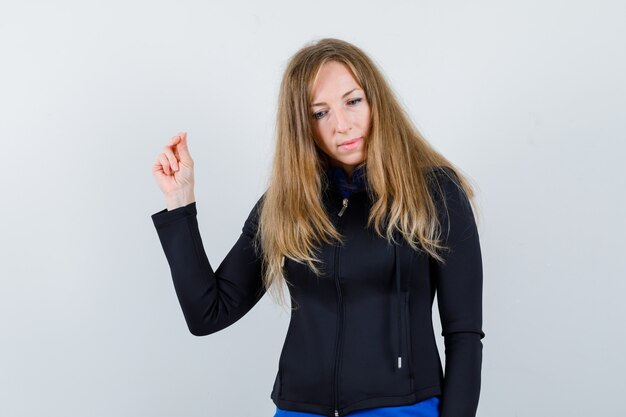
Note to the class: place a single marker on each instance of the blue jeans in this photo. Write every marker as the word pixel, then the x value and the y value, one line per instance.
pixel 426 408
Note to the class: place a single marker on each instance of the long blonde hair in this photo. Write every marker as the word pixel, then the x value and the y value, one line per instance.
pixel 292 219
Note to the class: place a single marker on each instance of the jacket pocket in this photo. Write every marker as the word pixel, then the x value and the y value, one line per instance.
pixel 371 337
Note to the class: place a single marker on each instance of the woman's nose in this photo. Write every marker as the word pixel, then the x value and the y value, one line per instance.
pixel 342 121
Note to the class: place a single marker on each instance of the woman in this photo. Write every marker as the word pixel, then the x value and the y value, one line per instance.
pixel 365 222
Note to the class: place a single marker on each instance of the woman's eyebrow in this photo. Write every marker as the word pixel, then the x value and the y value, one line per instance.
pixel 345 94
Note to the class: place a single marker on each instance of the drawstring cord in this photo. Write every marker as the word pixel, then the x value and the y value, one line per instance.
pixel 400 300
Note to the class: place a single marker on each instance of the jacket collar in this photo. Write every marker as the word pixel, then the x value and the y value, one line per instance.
pixel 339 180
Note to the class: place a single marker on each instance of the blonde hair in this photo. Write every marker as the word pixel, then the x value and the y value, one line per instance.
pixel 292 219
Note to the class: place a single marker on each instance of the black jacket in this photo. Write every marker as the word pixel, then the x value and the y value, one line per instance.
pixel 361 335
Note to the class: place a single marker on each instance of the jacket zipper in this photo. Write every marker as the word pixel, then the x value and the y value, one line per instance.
pixel 340 314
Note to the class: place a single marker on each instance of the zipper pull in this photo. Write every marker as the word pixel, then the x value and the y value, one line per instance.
pixel 345 204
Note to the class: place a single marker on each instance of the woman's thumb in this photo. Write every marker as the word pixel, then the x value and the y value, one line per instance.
pixel 183 149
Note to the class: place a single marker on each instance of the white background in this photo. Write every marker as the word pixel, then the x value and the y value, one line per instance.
pixel 526 97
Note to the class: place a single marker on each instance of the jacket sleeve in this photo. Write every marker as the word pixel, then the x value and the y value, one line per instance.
pixel 210 300
pixel 459 297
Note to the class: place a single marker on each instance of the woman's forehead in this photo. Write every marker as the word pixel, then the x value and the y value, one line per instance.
pixel 333 80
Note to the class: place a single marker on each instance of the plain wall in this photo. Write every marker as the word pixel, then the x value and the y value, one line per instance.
pixel 527 98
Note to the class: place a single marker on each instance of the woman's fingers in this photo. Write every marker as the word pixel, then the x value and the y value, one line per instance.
pixel 165 163
pixel 175 152
pixel 157 166
pixel 174 140
pixel 169 153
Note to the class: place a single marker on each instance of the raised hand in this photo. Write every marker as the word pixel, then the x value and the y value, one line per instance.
pixel 173 172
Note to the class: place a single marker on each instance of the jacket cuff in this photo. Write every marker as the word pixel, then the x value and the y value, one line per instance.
pixel 165 216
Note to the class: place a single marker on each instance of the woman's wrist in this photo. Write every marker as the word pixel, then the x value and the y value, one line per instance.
pixel 179 199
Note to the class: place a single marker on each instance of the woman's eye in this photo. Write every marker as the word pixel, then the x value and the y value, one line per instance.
pixel 318 115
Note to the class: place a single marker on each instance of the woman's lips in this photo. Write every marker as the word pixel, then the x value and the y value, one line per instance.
pixel 351 144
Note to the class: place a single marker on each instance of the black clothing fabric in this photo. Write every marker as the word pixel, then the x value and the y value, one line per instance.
pixel 337 178
pixel 361 335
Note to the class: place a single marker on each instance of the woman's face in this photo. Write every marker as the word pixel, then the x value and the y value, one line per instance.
pixel 341 116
